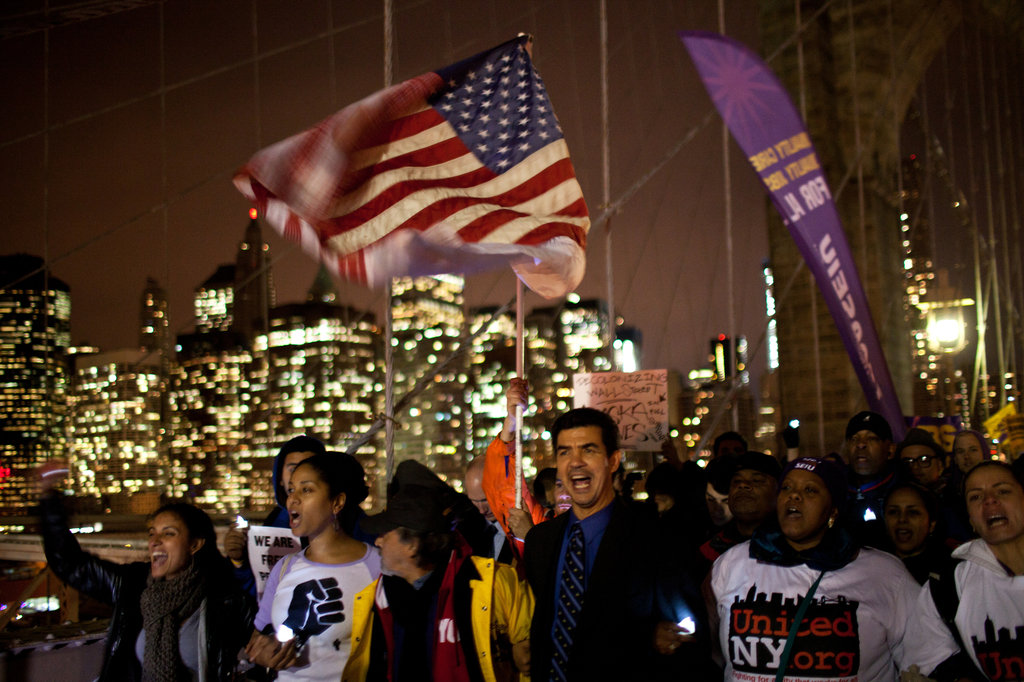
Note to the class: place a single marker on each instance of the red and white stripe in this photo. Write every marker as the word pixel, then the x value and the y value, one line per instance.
pixel 386 188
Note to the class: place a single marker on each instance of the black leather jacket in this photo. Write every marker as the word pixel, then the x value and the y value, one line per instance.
pixel 229 612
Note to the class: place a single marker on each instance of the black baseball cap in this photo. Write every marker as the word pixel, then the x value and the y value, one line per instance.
pixel 869 421
pixel 758 461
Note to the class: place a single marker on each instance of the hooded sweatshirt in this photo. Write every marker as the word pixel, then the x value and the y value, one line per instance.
pixel 278 517
pixel 990 617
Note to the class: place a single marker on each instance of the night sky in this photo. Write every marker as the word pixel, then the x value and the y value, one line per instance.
pixel 120 133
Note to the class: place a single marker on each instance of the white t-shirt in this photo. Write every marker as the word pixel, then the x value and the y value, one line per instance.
pixel 852 631
pixel 990 618
pixel 315 601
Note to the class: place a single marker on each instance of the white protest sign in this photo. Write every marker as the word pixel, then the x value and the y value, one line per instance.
pixel 266 546
pixel 637 401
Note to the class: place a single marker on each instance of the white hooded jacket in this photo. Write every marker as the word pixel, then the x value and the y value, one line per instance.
pixel 990 617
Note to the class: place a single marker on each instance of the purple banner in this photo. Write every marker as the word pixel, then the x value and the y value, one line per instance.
pixel 766 125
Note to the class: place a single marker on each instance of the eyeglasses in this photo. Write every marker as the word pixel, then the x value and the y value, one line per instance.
pixel 924 461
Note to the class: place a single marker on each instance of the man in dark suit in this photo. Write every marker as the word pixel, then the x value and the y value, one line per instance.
pixel 610 634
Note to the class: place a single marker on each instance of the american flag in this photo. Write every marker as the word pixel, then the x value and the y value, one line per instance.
pixel 458 170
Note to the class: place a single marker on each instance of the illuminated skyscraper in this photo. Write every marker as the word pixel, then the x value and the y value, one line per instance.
pixel 706 407
pixel 581 329
pixel 35 314
pixel 254 284
pixel 493 364
pixel 325 380
pixel 238 297
pixel 153 324
pixel 772 334
pixel 214 301
pixel 115 431
pixel 155 339
pixel 428 322
pixel 543 370
pixel 210 397
pixel 931 306
pixel 628 349
pixel 727 364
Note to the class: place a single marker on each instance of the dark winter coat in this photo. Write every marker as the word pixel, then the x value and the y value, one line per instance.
pixel 229 613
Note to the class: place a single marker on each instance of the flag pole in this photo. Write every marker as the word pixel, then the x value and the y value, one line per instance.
pixel 389 369
pixel 606 184
pixel 521 373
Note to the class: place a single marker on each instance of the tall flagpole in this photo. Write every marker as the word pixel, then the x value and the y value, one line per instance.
pixel 606 184
pixel 521 373
pixel 389 373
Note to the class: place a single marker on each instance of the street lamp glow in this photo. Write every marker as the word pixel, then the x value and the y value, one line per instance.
pixel 947 331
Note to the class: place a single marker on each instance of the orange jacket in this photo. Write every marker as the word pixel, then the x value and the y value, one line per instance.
pixel 500 488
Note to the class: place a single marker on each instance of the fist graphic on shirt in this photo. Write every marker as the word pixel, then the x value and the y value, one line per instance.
pixel 315 606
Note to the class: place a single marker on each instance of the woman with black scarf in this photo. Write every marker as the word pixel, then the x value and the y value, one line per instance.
pixel 802 600
pixel 179 616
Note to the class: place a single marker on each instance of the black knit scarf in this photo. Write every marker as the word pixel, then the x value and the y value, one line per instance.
pixel 836 549
pixel 166 604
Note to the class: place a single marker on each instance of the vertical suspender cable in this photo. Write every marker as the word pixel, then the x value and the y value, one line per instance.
pixel 332 78
pixel 606 182
pixel 48 389
pixel 389 354
pixel 812 285
pixel 930 184
pixel 926 211
pixel 163 444
pixel 861 228
pixel 990 214
pixel 729 254
pixel 1015 266
pixel 263 276
pixel 1018 248
pixel 957 196
pixel 253 27
pixel 981 356
pixel 1001 256
pixel 896 145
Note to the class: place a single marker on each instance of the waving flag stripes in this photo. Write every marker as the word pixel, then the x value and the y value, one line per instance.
pixel 458 170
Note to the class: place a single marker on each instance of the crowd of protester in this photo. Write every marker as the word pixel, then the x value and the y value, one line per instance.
pixel 890 561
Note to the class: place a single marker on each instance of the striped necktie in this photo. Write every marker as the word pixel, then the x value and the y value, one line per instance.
pixel 570 603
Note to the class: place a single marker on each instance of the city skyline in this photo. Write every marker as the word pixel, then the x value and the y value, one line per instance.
pixel 137 176
pixel 89 199
pixel 203 421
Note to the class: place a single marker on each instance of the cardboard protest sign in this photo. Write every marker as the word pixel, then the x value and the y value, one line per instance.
pixel 266 546
pixel 637 401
